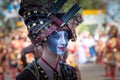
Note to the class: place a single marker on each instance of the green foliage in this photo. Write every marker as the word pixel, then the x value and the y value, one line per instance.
pixel 5 3
pixel 81 28
pixel 4 26
pixel 85 4
pixel 91 4
pixel 69 4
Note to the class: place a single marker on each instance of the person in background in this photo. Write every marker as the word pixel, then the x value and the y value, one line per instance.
pixel 117 55
pixel 4 67
pixel 28 54
pixel 49 29
pixel 13 52
pixel 22 63
pixel 72 58
pixel 111 50
pixel 2 58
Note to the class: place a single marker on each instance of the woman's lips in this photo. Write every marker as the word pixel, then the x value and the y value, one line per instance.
pixel 61 48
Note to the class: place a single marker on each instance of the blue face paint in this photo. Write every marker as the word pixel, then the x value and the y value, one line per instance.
pixel 57 42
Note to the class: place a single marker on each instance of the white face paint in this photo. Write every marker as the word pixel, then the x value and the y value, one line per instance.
pixel 58 41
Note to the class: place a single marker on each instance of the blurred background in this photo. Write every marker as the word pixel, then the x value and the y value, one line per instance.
pixel 101 22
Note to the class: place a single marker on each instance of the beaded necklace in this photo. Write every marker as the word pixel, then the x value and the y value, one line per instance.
pixel 55 73
pixel 67 72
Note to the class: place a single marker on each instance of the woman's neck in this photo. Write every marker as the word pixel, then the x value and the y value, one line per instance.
pixel 50 58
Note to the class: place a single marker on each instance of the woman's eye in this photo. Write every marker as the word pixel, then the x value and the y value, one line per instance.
pixel 66 36
pixel 57 37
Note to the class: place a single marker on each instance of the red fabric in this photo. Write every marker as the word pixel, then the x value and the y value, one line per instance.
pixel 1 76
pixel 112 73
pixel 72 47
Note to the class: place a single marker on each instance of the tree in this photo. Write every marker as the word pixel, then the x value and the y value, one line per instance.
pixel 4 27
pixel 92 4
pixel 10 18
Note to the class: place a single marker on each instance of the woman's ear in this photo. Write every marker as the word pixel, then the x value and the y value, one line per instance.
pixel 44 44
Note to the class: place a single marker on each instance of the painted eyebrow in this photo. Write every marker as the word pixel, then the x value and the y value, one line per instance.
pixel 55 34
pixel 66 33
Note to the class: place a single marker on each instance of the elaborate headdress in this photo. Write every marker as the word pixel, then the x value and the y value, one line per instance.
pixel 43 17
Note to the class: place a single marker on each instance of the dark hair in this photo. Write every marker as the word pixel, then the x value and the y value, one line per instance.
pixel 113 31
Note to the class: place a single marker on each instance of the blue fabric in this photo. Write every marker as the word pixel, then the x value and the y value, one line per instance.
pixel 92 51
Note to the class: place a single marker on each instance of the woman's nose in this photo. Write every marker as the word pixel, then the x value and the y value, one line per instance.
pixel 63 41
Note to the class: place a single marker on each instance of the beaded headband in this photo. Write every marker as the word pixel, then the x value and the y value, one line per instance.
pixel 43 17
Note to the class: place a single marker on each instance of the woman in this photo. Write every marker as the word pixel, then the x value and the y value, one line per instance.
pixel 111 50
pixel 45 31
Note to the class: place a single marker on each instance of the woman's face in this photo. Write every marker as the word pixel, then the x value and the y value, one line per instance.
pixel 57 42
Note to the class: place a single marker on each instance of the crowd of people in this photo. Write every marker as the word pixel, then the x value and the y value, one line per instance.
pixel 103 49
pixel 17 51
pixel 10 51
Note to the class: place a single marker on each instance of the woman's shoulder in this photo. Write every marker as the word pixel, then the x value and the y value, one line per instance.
pixel 67 66
pixel 28 73
pixel 66 69
pixel 25 75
